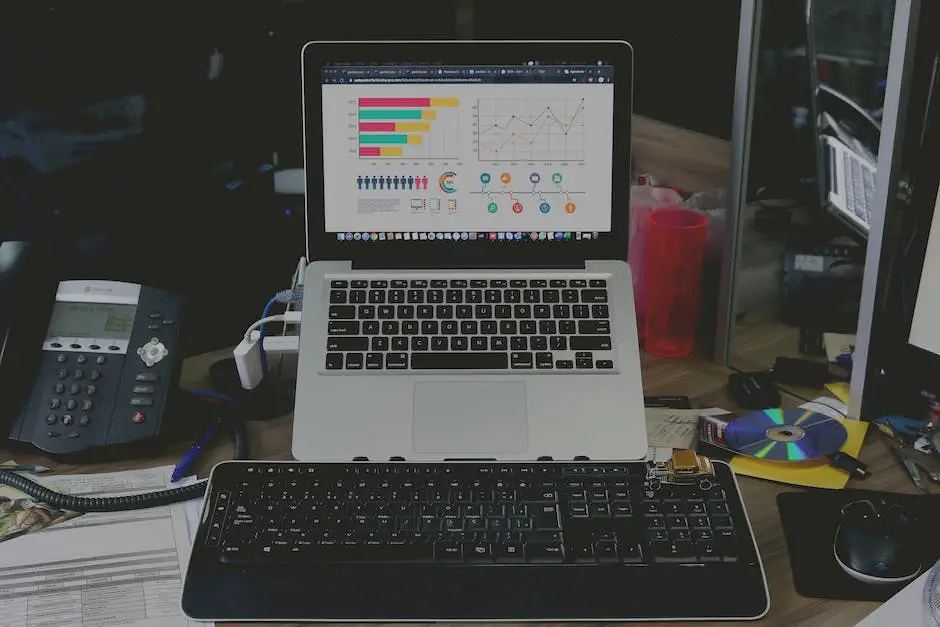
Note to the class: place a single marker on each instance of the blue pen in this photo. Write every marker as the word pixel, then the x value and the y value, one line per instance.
pixel 191 455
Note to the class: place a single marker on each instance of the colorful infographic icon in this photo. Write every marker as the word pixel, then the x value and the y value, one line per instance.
pixel 545 207
pixel 556 178
pixel 492 207
pixel 505 177
pixel 569 207
pixel 517 207
pixel 448 182
pixel 485 178
pixel 535 177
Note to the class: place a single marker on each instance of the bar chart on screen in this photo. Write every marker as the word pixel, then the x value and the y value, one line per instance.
pixel 406 128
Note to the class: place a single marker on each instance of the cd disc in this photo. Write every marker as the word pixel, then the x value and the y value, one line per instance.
pixel 785 435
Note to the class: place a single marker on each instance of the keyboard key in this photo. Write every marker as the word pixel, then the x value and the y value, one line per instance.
pixel 518 283
pixel 396 296
pixel 339 284
pixel 334 361
pixel 342 327
pixel 597 283
pixel 376 297
pixel 447 552
pixel 478 283
pixel 478 343
pixel 564 364
pixel 338 296
pixel 681 551
pixel 551 296
pixel 458 283
pixel 600 311
pixel 374 361
pixel 415 296
pixel 558 343
pixel 359 283
pixel 478 552
pixel 502 312
pixel 604 364
pixel 544 552
pixel 353 361
pixel 342 312
pixel 459 343
pixel 521 360
pixel 438 283
pixel 418 283
pixel 606 552
pixel 439 343
pixel 569 296
pixel 347 343
pixel 396 361
pixel 544 360
pixel 357 297
pixel 590 343
pixel 499 343
pixel 509 553
pixel 399 283
pixel 420 343
pixel 459 361
pixel 580 311
pixel 593 327
pixel 366 312
pixel 518 343
pixel 542 311
pixel 558 283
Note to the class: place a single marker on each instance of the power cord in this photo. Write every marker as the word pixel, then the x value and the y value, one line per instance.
pixel 123 503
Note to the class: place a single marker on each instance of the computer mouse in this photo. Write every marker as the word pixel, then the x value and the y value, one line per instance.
pixel 753 390
pixel 878 542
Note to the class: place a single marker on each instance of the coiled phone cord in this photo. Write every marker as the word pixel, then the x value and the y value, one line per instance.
pixel 58 500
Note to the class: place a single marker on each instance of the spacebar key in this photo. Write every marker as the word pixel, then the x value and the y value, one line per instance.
pixel 459 361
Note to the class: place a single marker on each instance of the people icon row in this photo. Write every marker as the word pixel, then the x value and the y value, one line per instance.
pixel 391 182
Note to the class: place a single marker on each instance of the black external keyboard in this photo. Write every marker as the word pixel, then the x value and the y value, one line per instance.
pixel 469 324
pixel 507 522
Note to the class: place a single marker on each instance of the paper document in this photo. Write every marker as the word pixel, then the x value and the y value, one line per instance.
pixel 101 569
pixel 675 428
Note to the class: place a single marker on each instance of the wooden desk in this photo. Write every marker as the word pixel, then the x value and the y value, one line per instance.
pixel 700 380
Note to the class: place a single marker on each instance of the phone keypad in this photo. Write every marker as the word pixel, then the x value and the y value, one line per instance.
pixel 77 396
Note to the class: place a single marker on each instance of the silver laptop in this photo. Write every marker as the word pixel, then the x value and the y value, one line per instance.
pixel 850 182
pixel 467 213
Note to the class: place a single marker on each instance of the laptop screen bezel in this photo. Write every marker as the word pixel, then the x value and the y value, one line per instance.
pixel 322 245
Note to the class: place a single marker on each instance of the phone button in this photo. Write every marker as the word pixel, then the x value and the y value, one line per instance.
pixel 61 358
pixel 155 315
pixel 67 419
pixel 144 389
pixel 100 359
pixel 114 348
pixel 75 346
pixel 55 403
pixel 94 347
pixel 78 373
pixel 63 373
pixel 145 376
pixel 51 419
pixel 58 388
pixel 138 417
pixel 81 359
pixel 74 388
pixel 90 390
pixel 94 375
pixel 53 434
pixel 138 401
pixel 72 434
pixel 83 420
pixel 56 345
pixel 71 404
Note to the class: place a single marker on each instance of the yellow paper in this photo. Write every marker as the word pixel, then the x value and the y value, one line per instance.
pixel 817 473
pixel 840 390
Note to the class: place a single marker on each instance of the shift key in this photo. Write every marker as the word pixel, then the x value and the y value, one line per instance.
pixel 347 343
pixel 590 343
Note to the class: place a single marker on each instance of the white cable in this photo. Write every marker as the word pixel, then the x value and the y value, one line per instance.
pixel 289 317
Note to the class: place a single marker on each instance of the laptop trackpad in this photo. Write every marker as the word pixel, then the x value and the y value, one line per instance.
pixel 469 417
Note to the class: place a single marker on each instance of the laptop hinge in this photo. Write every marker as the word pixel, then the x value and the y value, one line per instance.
pixel 404 265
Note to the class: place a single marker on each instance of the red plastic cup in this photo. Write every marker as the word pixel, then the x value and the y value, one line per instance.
pixel 675 245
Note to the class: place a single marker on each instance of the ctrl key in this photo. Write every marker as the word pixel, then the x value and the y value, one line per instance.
pixel 544 552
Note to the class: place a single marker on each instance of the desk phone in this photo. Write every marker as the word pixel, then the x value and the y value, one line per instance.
pixel 109 358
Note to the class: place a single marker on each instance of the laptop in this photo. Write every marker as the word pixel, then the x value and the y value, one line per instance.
pixel 467 295
pixel 850 182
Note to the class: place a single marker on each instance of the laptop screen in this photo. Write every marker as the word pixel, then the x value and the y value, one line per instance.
pixel 437 153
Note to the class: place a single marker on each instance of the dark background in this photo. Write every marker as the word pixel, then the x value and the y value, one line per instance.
pixel 184 202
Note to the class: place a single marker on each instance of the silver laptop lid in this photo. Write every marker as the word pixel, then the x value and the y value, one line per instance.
pixel 467 153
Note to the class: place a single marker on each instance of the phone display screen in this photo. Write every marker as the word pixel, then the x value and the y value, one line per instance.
pixel 92 320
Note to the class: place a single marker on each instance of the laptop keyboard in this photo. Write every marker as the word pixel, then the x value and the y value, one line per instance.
pixel 533 324
pixel 859 188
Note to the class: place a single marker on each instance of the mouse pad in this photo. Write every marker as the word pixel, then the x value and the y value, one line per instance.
pixel 810 520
